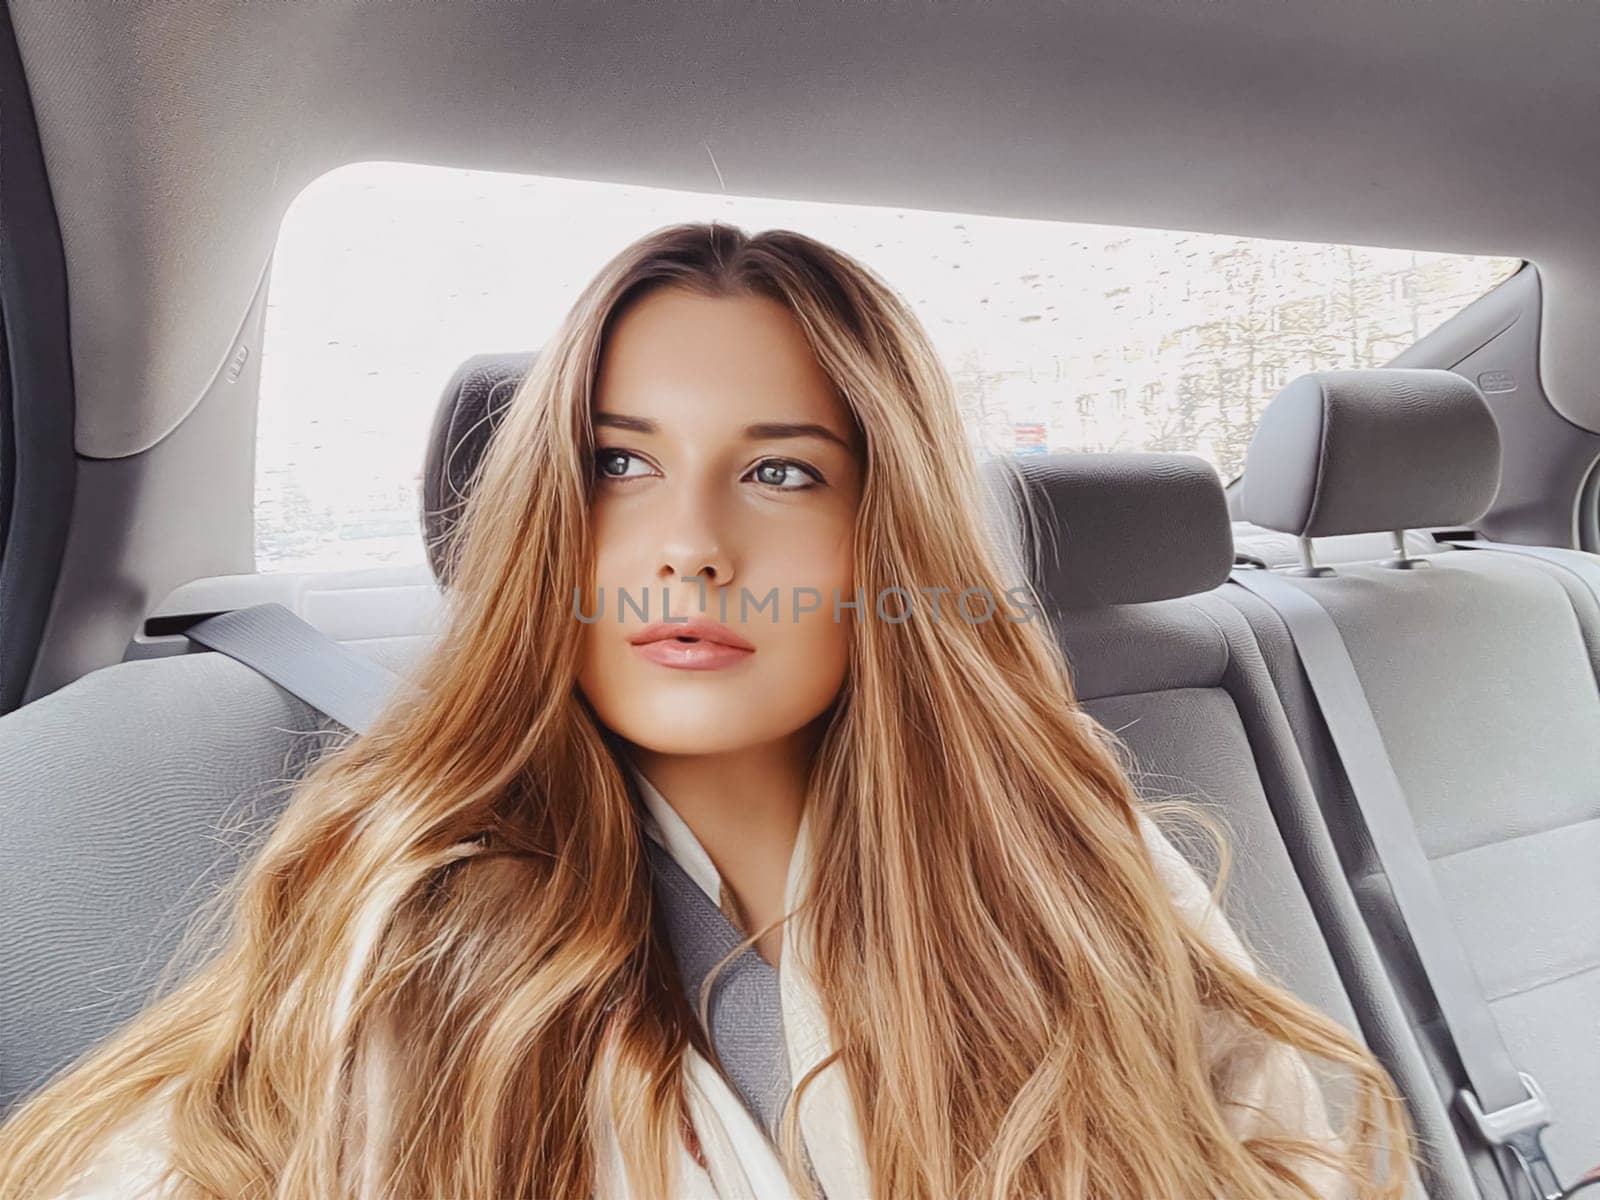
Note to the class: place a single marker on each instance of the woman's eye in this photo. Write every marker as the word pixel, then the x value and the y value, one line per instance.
pixel 781 473
pixel 619 464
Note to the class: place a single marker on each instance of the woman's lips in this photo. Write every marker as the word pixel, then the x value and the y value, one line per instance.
pixel 697 644
pixel 691 656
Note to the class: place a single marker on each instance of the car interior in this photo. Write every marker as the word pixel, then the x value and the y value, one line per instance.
pixel 1368 641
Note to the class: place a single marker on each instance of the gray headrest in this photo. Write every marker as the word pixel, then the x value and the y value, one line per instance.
pixel 474 401
pixel 1122 528
pixel 1368 451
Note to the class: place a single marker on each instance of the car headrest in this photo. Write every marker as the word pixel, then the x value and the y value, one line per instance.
pixel 1104 529
pixel 474 401
pixel 1372 451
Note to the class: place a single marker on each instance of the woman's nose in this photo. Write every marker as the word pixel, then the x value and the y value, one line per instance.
pixel 702 559
pixel 693 547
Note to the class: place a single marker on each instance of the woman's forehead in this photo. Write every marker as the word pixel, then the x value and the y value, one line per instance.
pixel 679 356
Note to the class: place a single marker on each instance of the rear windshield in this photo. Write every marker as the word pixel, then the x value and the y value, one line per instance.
pixel 1058 336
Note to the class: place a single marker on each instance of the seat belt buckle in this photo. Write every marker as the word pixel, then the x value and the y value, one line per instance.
pixel 1518 1128
pixel 1501 1125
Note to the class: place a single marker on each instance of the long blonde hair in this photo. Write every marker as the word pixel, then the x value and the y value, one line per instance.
pixel 1015 1000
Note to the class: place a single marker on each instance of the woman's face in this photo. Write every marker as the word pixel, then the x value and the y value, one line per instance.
pixel 727 478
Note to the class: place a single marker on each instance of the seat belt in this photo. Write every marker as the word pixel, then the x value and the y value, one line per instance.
pixel 1505 1107
pixel 1575 562
pixel 744 1015
pixel 302 660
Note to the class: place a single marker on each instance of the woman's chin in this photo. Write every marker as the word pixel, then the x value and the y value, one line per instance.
pixel 692 722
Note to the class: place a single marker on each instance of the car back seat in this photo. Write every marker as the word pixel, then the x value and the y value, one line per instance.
pixel 92 826
pixel 1481 671
pixel 1126 555
pixel 129 796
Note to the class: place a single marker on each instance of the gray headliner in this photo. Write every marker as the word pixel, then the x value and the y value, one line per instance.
pixel 177 134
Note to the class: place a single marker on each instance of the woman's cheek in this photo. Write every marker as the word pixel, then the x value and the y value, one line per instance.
pixel 823 636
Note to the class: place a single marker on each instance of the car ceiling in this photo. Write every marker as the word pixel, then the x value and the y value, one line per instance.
pixel 176 134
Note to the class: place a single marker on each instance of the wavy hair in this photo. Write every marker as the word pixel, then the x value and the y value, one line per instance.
pixel 1018 1006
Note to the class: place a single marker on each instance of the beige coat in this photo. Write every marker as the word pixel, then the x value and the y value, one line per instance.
pixel 1276 1085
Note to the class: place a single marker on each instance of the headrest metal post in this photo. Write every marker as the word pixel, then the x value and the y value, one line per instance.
pixel 1402 560
pixel 1308 561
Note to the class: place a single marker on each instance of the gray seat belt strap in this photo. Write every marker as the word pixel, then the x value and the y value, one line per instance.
pixel 1506 1106
pixel 302 660
pixel 1575 562
pixel 744 1008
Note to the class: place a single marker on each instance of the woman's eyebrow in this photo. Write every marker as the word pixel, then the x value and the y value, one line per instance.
pixel 620 421
pixel 761 431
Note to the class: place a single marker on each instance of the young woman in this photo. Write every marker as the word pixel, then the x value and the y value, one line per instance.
pixel 457 966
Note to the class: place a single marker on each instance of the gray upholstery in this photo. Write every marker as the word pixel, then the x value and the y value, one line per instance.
pixel 1341 452
pixel 1199 719
pixel 474 402
pixel 129 798
pixel 1182 683
pixel 1481 671
pixel 1104 529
